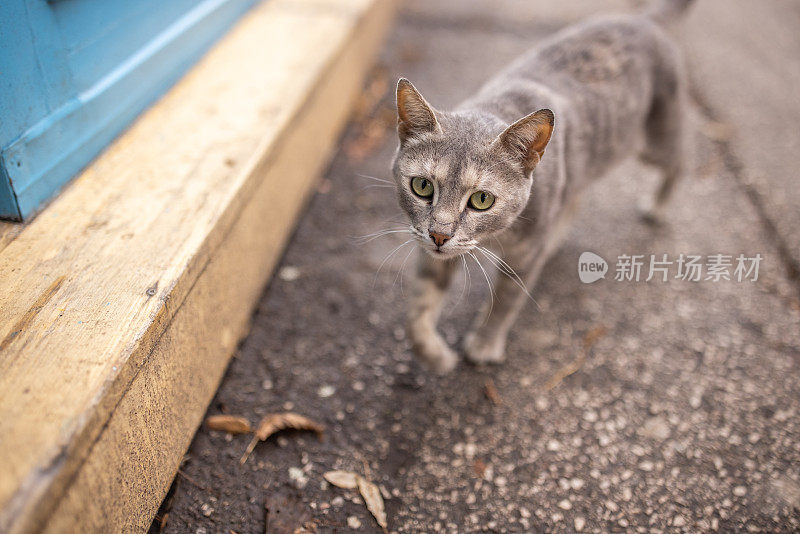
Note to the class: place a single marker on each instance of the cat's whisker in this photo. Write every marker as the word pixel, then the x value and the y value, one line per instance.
pixel 396 218
pixel 370 186
pixel 376 179
pixel 370 237
pixel 488 281
pixel 467 279
pixel 501 261
pixel 469 276
pixel 418 233
pixel 400 272
pixel 500 244
pixel 392 253
pixel 506 269
pixel 505 265
pixel 382 231
pixel 498 266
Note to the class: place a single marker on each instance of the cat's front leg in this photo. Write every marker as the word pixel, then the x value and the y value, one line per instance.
pixel 486 341
pixel 431 283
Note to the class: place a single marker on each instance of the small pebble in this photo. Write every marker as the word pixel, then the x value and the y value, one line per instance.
pixel 298 477
pixel 469 450
pixel 289 273
pixel 326 391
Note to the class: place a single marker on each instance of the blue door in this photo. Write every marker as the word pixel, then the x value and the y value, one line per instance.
pixel 75 73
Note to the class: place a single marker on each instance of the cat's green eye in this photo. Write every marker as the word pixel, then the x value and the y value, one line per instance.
pixel 422 186
pixel 481 200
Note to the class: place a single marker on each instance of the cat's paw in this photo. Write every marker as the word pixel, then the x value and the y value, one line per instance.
pixel 652 215
pixel 652 218
pixel 436 355
pixel 482 349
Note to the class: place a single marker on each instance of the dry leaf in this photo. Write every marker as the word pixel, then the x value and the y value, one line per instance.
pixel 592 336
pixel 309 527
pixel 276 422
pixel 286 420
pixel 565 371
pixel 369 492
pixel 589 339
pixel 342 479
pixel 491 393
pixel 229 423
pixel 479 467
pixel 373 500
pixel 162 522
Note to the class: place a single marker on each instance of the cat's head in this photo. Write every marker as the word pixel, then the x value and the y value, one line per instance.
pixel 463 176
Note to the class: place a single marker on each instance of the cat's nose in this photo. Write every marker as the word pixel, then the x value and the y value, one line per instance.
pixel 439 239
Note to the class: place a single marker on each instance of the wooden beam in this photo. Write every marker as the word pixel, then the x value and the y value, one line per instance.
pixel 123 301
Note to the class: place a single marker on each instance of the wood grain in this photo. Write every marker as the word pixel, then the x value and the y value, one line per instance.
pixel 160 249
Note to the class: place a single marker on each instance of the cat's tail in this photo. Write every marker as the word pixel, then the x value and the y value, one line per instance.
pixel 666 12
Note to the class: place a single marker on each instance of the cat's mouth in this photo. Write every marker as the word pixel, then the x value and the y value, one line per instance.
pixel 451 249
pixel 446 251
pixel 442 254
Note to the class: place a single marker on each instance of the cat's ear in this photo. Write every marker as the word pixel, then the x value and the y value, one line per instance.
pixel 414 115
pixel 527 138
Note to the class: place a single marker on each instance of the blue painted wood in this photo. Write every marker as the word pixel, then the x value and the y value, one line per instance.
pixel 8 201
pixel 75 73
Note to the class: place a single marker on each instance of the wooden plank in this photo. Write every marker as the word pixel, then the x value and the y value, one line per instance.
pixel 124 299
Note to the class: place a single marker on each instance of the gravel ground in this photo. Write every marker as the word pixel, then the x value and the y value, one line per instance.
pixel 623 406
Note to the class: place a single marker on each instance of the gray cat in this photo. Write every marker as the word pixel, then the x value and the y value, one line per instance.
pixel 605 89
